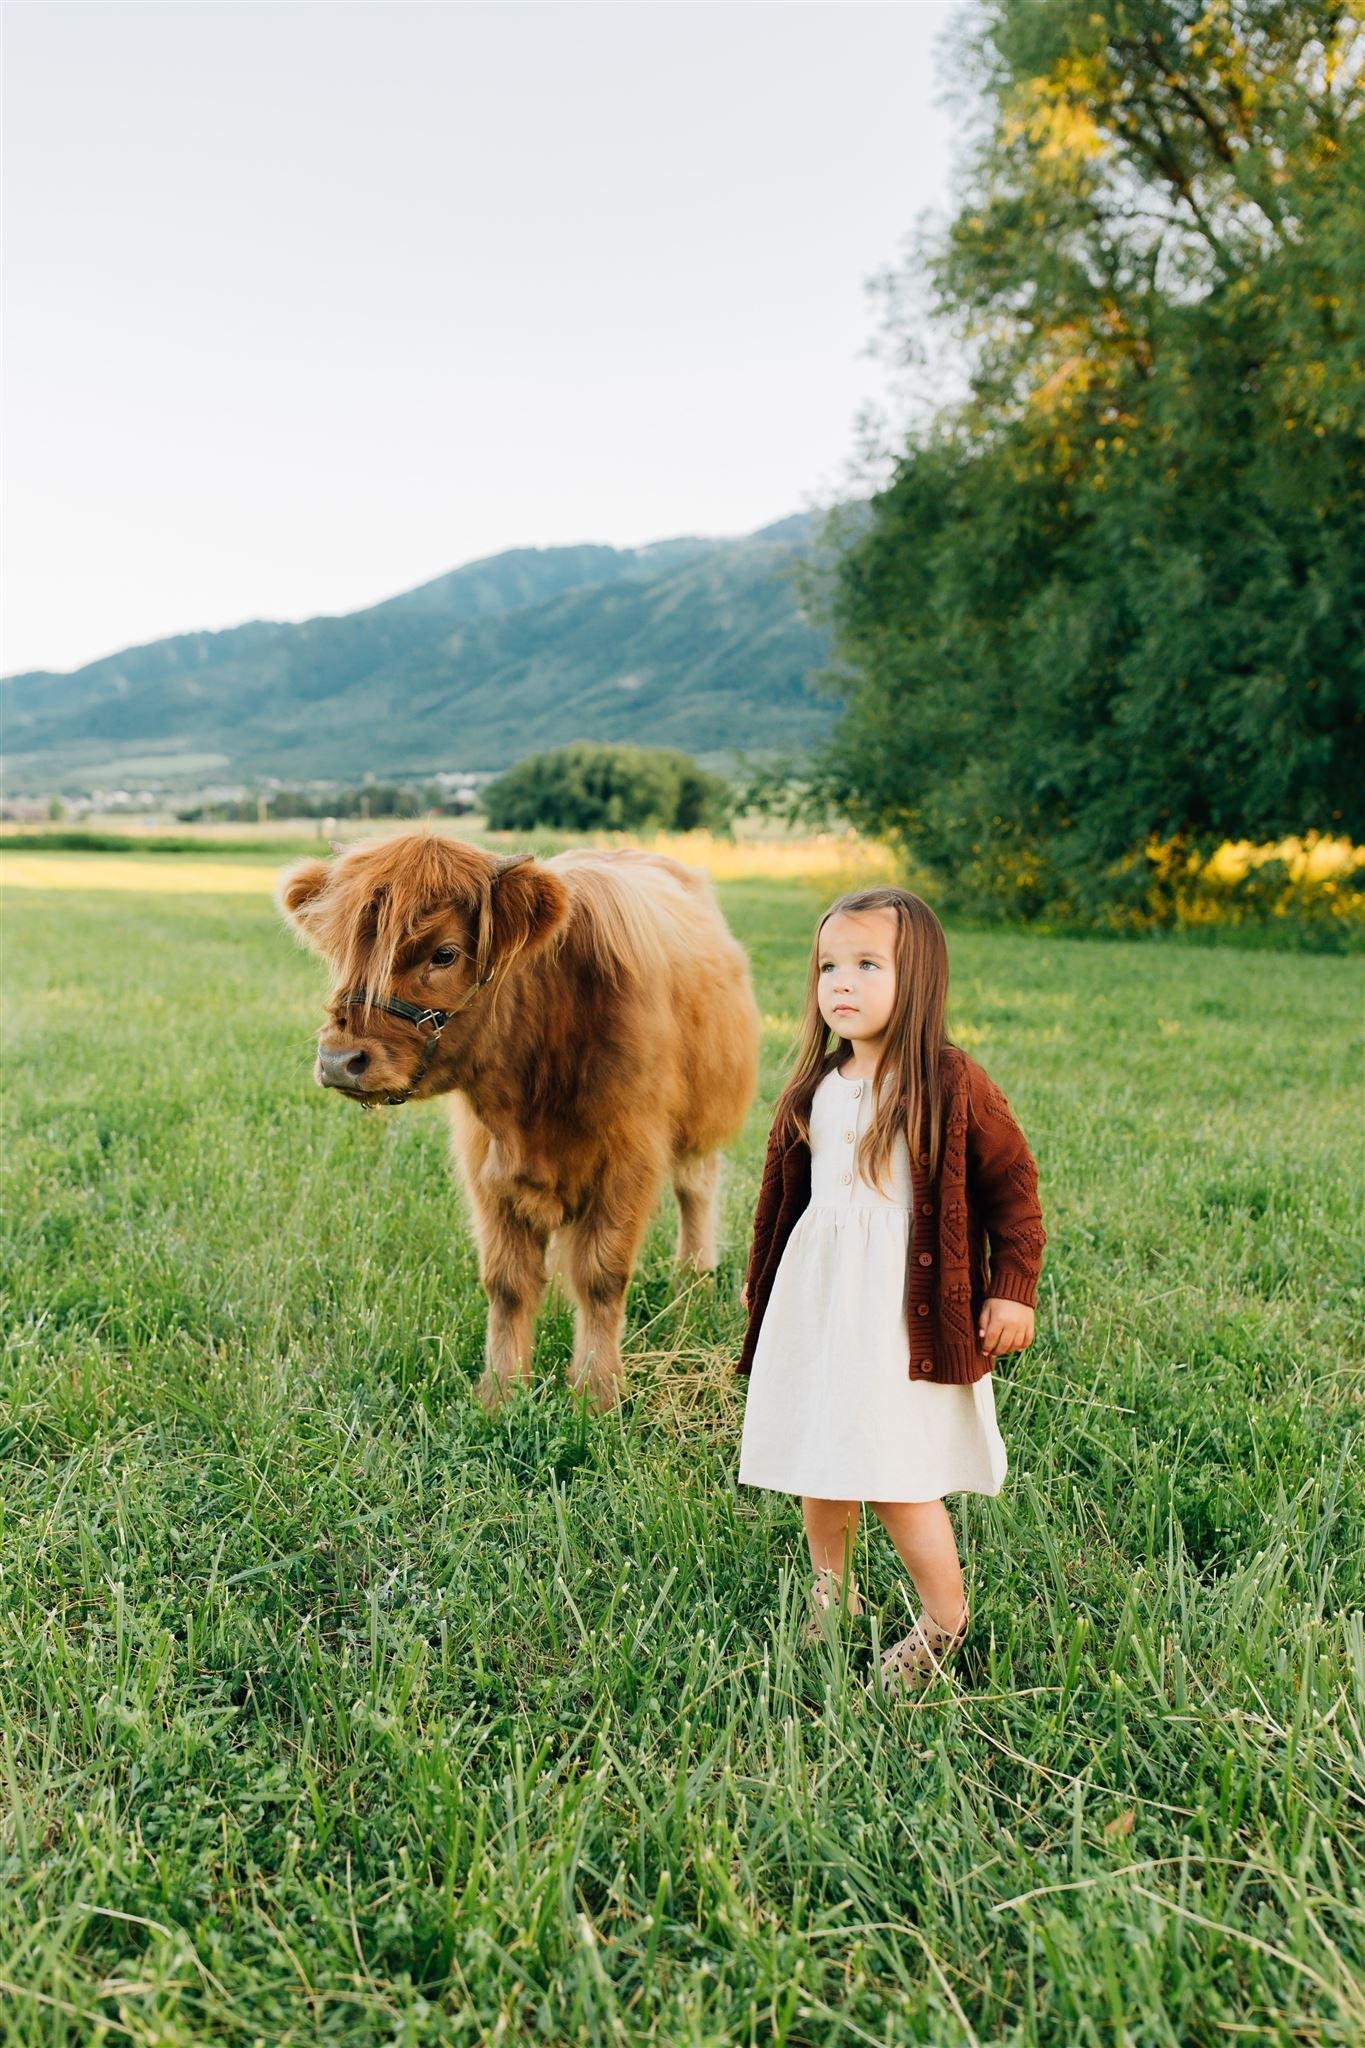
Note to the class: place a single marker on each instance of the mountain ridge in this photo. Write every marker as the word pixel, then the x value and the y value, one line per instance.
pixel 691 642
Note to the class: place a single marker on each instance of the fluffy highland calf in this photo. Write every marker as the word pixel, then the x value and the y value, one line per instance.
pixel 591 1023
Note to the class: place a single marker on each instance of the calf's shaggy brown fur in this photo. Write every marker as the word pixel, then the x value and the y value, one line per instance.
pixel 605 1035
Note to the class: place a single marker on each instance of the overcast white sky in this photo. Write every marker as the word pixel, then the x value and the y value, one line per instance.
pixel 307 303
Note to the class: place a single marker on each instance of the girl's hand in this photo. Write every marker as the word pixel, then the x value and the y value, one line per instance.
pixel 1004 1326
pixel 744 1295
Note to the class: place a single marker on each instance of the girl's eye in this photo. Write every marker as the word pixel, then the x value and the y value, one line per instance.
pixel 867 963
pixel 444 956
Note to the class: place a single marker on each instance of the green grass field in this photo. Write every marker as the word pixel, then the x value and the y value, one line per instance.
pixel 334 1712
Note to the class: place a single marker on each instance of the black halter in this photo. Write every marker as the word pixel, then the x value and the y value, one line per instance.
pixel 411 1014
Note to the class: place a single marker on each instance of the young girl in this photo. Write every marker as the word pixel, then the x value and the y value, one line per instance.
pixel 896 1253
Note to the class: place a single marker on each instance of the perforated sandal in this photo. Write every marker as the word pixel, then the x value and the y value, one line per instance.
pixel 826 1598
pixel 910 1664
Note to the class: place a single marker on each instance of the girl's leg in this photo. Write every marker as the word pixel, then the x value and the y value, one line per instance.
pixel 923 1536
pixel 831 1526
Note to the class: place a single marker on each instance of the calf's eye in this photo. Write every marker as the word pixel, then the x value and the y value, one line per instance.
pixel 443 956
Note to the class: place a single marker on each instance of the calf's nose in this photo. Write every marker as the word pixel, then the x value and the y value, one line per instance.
pixel 343 1069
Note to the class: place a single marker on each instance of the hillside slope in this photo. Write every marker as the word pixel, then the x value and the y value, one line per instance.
pixel 693 643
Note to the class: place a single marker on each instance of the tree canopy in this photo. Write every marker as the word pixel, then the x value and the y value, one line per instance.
pixel 1113 596
pixel 590 788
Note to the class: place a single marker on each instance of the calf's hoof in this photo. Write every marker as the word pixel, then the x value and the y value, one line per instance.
pixel 600 1388
pixel 491 1392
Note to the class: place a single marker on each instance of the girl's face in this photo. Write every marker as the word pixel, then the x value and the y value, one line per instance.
pixel 856 985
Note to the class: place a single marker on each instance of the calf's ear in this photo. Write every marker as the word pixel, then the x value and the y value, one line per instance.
pixel 296 889
pixel 527 904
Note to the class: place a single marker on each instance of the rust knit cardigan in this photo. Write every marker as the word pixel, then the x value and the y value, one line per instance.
pixel 985 1200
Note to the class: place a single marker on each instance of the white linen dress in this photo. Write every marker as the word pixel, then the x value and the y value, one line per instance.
pixel 832 1410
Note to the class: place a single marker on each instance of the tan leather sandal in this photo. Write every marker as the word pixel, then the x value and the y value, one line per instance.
pixel 909 1664
pixel 826 1600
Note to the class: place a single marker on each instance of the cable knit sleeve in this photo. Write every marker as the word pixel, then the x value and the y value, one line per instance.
pixel 766 1206
pixel 1004 1179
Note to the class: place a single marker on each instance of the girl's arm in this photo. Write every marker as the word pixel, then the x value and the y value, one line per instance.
pixel 1004 1179
pixel 768 1185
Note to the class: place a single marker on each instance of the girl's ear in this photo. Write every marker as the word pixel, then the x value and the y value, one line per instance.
pixel 527 905
pixel 297 889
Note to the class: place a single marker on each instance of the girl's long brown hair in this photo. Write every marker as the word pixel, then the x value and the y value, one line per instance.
pixel 908 1089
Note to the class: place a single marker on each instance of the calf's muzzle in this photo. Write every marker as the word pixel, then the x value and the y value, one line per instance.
pixel 344 1068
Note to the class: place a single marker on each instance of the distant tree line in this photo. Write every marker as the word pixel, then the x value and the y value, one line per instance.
pixel 591 788
pixel 1109 609
pixel 580 788
pixel 372 800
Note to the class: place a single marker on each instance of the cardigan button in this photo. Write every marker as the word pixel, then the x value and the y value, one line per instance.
pixel 926 1208
pixel 923 1309
pixel 924 1158
pixel 926 1258
pixel 925 1365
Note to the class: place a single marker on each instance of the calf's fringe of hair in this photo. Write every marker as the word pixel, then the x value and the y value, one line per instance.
pixel 378 900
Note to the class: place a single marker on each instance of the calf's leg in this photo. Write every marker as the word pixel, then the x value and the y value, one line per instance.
pixel 696 1183
pixel 512 1269
pixel 600 1251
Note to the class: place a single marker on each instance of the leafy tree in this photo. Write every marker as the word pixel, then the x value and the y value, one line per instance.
pixel 1114 595
pixel 589 788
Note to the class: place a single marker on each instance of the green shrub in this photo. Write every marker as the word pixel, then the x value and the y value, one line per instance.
pixel 595 788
